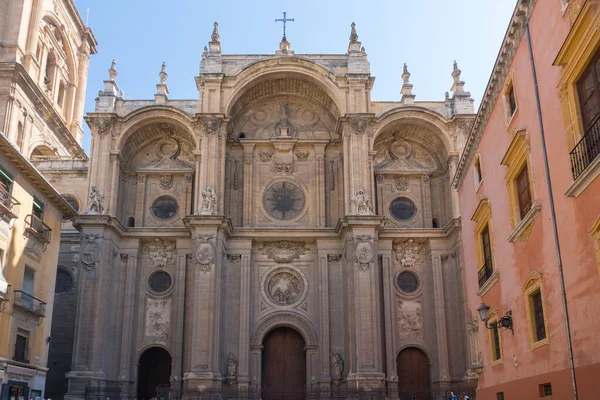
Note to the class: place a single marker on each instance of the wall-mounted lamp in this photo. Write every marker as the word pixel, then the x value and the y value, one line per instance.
pixel 504 322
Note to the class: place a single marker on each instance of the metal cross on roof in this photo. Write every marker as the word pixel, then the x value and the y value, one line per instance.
pixel 284 20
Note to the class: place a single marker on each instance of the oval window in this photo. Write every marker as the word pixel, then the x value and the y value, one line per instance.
pixel 64 281
pixel 164 207
pixel 402 209
pixel 408 282
pixel 160 282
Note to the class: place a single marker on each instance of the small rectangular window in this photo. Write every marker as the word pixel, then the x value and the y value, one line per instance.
pixel 500 396
pixel 496 351
pixel 478 174
pixel 545 389
pixel 38 209
pixel 523 192
pixel 486 244
pixel 511 100
pixel 538 316
pixel 21 346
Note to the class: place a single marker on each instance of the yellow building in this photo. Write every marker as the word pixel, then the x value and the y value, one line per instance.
pixel 31 215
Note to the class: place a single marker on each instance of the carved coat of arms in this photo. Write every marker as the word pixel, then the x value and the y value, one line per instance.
pixel 166 181
pixel 364 253
pixel 205 253
pixel 90 251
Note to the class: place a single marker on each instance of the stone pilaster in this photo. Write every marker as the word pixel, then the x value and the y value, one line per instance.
pixel 209 233
pixel 212 167
pixel 356 158
pixel 364 347
pixel 389 308
pixel 127 362
pixel 244 378
pixel 443 378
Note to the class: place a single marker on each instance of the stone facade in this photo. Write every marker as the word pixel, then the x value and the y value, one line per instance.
pixel 44 54
pixel 282 197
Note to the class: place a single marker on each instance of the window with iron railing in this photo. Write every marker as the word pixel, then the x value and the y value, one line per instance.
pixel 588 147
pixel 29 303
pixel 38 228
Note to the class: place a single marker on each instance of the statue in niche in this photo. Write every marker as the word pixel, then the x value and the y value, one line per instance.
pixel 209 201
pixel 96 202
pixel 362 204
pixel 337 369
pixel 232 370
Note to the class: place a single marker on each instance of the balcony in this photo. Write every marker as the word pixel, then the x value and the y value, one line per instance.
pixel 9 206
pixel 485 272
pixel 38 229
pixel 29 303
pixel 586 150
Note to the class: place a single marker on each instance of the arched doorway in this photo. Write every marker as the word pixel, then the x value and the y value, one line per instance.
pixel 154 372
pixel 283 365
pixel 412 367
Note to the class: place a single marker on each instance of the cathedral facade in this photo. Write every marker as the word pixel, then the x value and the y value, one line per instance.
pixel 281 233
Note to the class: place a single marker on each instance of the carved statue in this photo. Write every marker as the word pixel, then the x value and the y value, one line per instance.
pixel 362 204
pixel 337 369
pixel 232 370
pixel 95 202
pixel 209 201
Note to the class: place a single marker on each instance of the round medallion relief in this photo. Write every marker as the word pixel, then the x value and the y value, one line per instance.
pixel 284 286
pixel 283 200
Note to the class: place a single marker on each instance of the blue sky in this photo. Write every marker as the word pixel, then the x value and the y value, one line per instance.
pixel 427 35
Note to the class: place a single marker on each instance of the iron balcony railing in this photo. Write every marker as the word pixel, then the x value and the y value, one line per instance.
pixel 8 205
pixel 586 150
pixel 485 272
pixel 28 302
pixel 38 228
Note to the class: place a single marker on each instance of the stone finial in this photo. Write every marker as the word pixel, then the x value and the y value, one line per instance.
pixel 215 33
pixel 163 74
pixel 461 101
pixel 405 74
pixel 112 72
pixel 205 49
pixel 353 34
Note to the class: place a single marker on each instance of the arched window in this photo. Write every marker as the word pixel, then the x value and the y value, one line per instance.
pixel 20 136
pixel 50 71
pixel 130 222
pixel 60 101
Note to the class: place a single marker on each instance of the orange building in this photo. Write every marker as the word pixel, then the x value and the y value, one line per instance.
pixel 530 200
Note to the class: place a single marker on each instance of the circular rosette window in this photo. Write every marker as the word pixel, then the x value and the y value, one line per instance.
pixel 283 200
pixel 160 282
pixel 407 282
pixel 164 207
pixel 285 286
pixel 402 209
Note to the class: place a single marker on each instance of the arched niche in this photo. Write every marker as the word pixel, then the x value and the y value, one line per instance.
pixel 43 152
pixel 264 103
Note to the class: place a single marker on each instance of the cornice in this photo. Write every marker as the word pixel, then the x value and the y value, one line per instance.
pixel 512 38
pixel 8 150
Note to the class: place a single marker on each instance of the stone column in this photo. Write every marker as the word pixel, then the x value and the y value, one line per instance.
pixel 443 378
pixel 113 193
pixel 356 158
pixel 178 320
pixel 365 366
pixel 389 308
pixel 94 290
pixel 140 199
pixel 248 184
pixel 79 102
pixel 127 372
pixel 321 209
pixel 322 269
pixel 209 232
pixel 426 201
pixel 33 34
pixel 244 378
pixel 213 158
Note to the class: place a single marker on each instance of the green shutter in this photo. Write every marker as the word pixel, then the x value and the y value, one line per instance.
pixel 38 204
pixel 7 176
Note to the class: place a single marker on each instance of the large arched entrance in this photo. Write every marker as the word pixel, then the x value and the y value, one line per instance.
pixel 154 372
pixel 412 367
pixel 283 365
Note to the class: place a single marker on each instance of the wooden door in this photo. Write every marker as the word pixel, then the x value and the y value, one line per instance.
pixel 283 365
pixel 413 375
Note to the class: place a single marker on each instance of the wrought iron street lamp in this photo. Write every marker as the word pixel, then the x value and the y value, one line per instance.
pixel 504 322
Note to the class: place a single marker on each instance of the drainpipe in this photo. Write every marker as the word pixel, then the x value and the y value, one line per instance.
pixel 553 218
